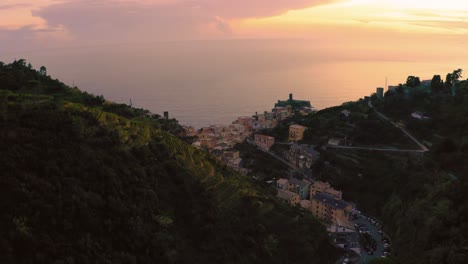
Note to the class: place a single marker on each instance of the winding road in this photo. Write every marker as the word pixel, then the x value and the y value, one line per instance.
pixel 382 116
pixel 423 148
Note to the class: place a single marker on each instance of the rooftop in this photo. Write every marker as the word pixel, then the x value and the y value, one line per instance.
pixel 305 204
pixel 297 126
pixel 282 181
pixel 321 184
pixel 264 136
pixel 329 200
pixel 302 183
pixel 236 161
pixel 286 195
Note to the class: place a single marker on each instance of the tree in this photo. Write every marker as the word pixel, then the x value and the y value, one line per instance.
pixel 457 74
pixel 413 81
pixel 452 79
pixel 21 62
pixel 43 71
pixel 436 84
pixel 448 81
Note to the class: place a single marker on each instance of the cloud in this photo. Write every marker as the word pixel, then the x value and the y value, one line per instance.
pixel 223 26
pixel 158 20
pixel 95 22
pixel 229 9
pixel 29 38
pixel 13 6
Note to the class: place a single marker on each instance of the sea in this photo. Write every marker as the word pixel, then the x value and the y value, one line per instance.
pixel 213 82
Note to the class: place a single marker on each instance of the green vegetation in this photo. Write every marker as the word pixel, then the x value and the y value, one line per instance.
pixel 361 128
pixel 262 165
pixel 420 198
pixel 86 180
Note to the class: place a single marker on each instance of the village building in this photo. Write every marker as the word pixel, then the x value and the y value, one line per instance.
pixel 290 197
pixel 236 164
pixel 296 132
pixel 324 187
pixel 282 184
pixel 264 142
pixel 189 131
pixel 301 187
pixel 305 204
pixel 302 156
pixel 229 155
pixel 325 207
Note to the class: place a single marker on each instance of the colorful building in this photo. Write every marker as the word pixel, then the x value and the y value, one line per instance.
pixel 296 132
pixel 282 184
pixel 290 197
pixel 300 187
pixel 264 142
pixel 324 187
pixel 327 208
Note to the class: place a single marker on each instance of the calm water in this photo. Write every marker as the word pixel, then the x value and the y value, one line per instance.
pixel 213 82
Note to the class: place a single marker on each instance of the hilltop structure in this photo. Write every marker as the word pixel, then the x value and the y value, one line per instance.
pixel 380 92
pixel 295 104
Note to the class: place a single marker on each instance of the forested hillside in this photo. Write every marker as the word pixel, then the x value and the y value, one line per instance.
pixel 421 198
pixel 84 180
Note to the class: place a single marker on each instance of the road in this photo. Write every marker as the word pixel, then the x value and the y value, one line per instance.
pixel 374 233
pixel 423 148
pixel 377 149
pixel 272 154
pixel 278 158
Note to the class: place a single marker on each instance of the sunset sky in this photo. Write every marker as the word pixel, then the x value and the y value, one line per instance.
pixel 35 24
pixel 223 58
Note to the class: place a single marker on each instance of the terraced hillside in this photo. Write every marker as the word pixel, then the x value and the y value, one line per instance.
pixel 86 180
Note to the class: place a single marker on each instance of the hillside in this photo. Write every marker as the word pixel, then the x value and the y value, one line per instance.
pixel 86 180
pixel 421 198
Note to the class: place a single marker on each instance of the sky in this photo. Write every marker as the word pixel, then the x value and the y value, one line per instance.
pixel 212 60
pixel 29 25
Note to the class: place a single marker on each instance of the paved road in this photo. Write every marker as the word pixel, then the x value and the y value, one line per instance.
pixel 278 158
pixel 374 233
pixel 423 148
pixel 272 154
pixel 377 149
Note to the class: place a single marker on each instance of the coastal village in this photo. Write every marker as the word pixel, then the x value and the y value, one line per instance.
pixel 348 228
pixel 219 140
